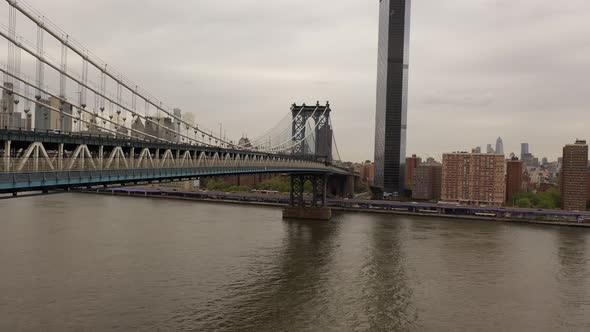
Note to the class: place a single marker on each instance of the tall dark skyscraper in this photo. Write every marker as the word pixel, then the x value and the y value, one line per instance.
pixel 524 150
pixel 392 95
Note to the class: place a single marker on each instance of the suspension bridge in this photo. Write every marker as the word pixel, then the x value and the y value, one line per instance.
pixel 69 120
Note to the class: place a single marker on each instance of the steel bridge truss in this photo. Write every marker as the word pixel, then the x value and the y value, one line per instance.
pixel 37 158
pixel 318 190
pixel 34 161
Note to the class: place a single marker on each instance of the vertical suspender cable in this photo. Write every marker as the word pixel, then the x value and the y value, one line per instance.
pixel 119 97
pixel 40 63
pixel 102 92
pixel 84 90
pixel 9 81
pixel 63 80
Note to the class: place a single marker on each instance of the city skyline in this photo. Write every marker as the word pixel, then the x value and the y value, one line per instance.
pixel 494 88
pixel 129 207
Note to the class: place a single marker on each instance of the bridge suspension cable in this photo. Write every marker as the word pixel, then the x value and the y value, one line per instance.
pixel 48 26
pixel 71 75
pixel 286 131
pixel 60 111
pixel 16 93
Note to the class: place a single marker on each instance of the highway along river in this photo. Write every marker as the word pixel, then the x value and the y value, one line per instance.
pixel 90 262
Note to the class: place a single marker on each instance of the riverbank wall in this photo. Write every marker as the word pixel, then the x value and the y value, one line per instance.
pixel 281 201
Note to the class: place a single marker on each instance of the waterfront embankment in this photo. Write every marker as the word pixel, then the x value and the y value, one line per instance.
pixel 496 214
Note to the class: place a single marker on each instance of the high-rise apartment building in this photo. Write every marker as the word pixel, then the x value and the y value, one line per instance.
pixel 392 95
pixel 44 116
pixel 18 121
pixel 48 116
pixel 427 182
pixel 574 176
pixel 411 164
pixel 367 172
pixel 65 121
pixel 499 146
pixel 473 178
pixel 6 106
pixel 160 127
pixel 514 178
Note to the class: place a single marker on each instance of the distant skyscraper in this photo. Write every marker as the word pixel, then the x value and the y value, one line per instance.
pixel 574 176
pixel 392 95
pixel 177 113
pixel 524 150
pixel 490 149
pixel 138 128
pixel 499 146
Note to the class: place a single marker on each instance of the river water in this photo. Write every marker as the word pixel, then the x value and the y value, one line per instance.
pixel 96 263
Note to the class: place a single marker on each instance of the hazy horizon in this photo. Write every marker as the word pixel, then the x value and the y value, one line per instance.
pixel 478 69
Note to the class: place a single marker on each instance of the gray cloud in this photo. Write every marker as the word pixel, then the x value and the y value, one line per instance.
pixel 479 68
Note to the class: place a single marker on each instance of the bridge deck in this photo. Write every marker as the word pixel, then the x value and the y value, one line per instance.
pixel 12 182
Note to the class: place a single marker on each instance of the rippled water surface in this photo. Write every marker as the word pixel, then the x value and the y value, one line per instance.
pixel 83 262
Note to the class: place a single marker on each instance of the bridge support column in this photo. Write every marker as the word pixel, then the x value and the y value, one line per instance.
pixel 100 157
pixel 7 156
pixel 349 189
pixel 60 157
pixel 81 159
pixel 36 159
pixel 299 207
pixel 132 158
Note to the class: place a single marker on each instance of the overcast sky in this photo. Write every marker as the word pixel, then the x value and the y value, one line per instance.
pixel 479 69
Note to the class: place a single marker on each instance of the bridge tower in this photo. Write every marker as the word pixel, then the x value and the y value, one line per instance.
pixel 320 146
pixel 314 205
